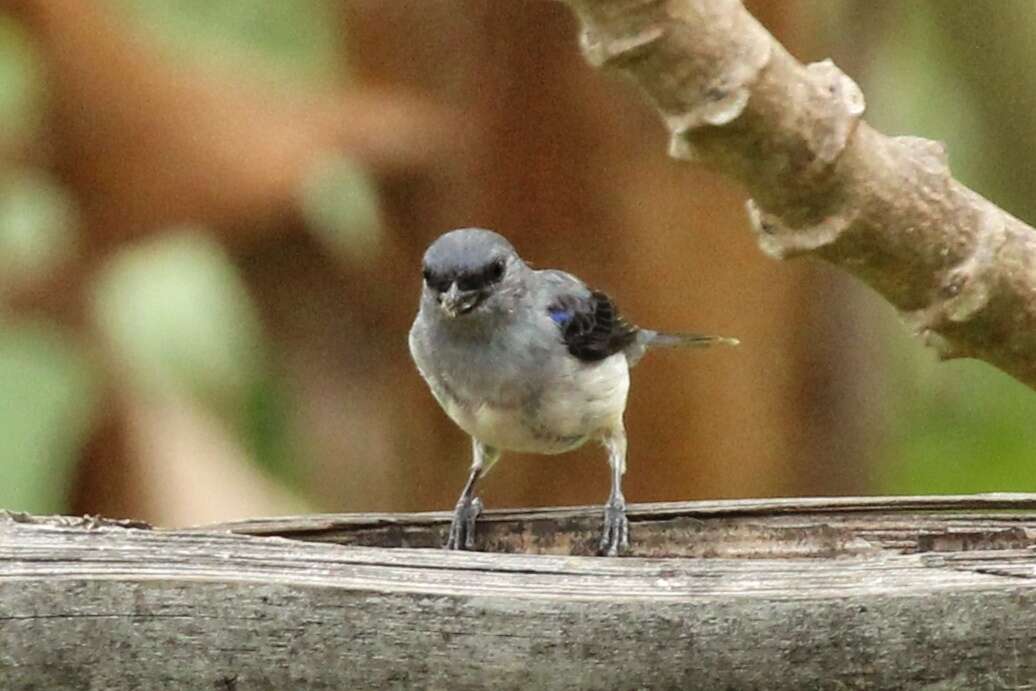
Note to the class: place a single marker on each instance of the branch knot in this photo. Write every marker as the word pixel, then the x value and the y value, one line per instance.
pixel 965 289
pixel 781 241
pixel 841 104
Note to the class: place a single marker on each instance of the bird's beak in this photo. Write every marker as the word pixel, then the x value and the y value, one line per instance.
pixel 455 302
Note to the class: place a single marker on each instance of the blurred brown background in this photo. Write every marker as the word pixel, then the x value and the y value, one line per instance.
pixel 211 222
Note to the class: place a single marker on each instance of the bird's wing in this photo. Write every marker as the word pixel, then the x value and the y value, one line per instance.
pixel 590 325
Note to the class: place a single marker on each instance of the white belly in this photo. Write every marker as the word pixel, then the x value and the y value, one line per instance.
pixel 584 401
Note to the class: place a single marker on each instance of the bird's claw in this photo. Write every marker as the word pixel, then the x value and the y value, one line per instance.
pixel 462 528
pixel 616 537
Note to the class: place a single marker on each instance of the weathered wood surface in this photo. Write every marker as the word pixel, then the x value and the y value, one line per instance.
pixel 923 592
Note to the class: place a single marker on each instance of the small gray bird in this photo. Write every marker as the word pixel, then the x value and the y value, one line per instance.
pixel 526 360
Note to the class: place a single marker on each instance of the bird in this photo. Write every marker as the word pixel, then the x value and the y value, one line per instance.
pixel 526 360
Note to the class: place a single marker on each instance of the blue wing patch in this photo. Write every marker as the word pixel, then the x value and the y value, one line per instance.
pixel 560 315
pixel 591 327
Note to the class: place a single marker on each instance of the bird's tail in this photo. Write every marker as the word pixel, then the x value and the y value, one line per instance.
pixel 652 339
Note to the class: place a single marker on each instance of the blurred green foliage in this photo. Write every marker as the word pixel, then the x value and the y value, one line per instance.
pixel 36 225
pixel 48 385
pixel 340 204
pixel 177 315
pixel 958 72
pixel 174 310
pixel 20 81
pixel 953 427
pixel 294 40
pixel 48 389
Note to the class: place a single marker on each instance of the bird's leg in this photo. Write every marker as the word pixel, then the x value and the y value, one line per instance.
pixel 616 537
pixel 462 528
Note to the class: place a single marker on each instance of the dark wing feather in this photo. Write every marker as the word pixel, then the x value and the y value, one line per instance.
pixel 591 326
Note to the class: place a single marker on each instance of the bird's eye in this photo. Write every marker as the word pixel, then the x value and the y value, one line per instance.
pixel 435 281
pixel 495 271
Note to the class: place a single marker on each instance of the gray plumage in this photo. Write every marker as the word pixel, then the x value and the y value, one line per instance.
pixel 526 360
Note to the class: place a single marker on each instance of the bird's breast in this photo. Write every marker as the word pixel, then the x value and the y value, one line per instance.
pixel 510 429
pixel 541 412
pixel 523 391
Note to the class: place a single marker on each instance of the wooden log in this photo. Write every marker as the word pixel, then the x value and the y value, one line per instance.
pixel 913 592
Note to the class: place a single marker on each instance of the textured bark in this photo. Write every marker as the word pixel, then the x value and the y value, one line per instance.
pixel 921 592
pixel 824 183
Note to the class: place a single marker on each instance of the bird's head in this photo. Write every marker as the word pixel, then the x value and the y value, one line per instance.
pixel 471 273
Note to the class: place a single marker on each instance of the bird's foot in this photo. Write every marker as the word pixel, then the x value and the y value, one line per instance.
pixel 616 537
pixel 462 529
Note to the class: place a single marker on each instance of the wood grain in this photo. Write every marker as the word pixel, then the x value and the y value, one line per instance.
pixel 914 592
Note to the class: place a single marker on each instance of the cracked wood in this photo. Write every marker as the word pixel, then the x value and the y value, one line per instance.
pixel 934 592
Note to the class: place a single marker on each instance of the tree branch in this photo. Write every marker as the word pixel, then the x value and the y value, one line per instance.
pixel 960 270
